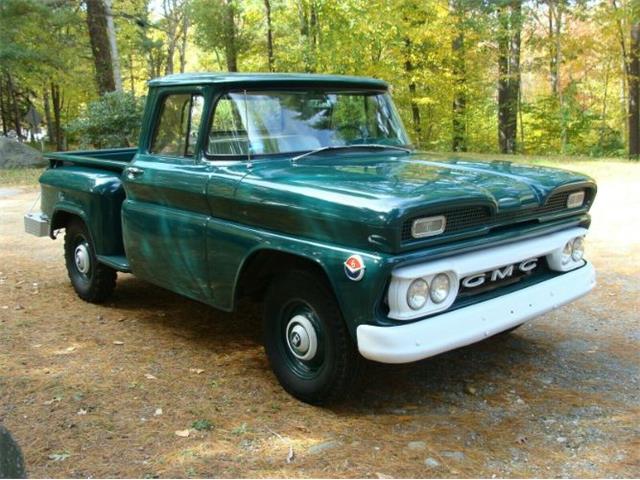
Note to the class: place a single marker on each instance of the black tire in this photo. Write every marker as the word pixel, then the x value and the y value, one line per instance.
pixel 331 374
pixel 93 283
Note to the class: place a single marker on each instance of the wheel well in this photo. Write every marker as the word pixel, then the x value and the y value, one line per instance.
pixel 61 219
pixel 259 269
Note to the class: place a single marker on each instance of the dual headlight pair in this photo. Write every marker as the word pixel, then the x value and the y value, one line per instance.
pixel 573 250
pixel 419 292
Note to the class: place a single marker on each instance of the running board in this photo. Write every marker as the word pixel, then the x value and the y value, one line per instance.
pixel 117 262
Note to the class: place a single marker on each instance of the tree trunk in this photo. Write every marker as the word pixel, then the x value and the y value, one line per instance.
pixel 56 100
pixel 415 109
pixel 182 49
pixel 510 27
pixel 13 104
pixel 113 47
pixel 459 140
pixel 634 92
pixel 231 48
pixel 47 115
pixel 3 109
pixel 100 45
pixel 267 7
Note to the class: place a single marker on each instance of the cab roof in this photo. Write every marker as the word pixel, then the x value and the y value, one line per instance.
pixel 269 79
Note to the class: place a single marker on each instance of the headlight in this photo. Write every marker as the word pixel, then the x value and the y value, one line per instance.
pixel 428 226
pixel 417 294
pixel 577 249
pixel 440 286
pixel 566 252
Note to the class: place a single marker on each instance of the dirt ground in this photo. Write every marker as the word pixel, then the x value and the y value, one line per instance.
pixel 100 391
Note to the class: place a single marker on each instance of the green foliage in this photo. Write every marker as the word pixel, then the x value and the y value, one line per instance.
pixel 430 52
pixel 111 121
pixel 202 425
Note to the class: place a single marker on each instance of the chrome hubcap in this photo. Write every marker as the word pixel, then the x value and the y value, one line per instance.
pixel 83 262
pixel 301 338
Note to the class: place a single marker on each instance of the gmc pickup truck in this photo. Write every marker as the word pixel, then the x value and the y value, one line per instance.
pixel 304 191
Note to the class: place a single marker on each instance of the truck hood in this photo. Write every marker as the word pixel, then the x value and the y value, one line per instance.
pixel 363 199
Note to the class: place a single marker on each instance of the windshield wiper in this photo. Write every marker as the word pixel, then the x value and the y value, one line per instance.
pixel 349 147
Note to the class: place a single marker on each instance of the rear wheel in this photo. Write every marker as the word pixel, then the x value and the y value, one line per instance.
pixel 306 340
pixel 92 281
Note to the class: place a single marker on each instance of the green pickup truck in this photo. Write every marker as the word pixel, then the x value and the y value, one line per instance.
pixel 304 191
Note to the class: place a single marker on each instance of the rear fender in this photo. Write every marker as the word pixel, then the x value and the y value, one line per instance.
pixel 93 195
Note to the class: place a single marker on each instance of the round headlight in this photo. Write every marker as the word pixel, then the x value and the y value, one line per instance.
pixel 577 249
pixel 566 252
pixel 417 294
pixel 440 286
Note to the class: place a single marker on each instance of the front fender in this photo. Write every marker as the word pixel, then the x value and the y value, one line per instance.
pixel 229 245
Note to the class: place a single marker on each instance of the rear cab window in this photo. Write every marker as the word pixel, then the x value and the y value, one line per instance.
pixel 177 125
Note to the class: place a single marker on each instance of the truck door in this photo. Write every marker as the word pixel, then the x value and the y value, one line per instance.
pixel 165 212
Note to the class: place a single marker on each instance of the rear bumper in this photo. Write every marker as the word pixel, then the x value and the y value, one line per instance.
pixel 448 331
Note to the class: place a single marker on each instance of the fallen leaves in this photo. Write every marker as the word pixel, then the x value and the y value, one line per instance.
pixel 59 456
pixel 291 455
pixel 66 351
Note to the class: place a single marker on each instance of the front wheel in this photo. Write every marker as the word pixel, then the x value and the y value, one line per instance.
pixel 306 340
pixel 92 281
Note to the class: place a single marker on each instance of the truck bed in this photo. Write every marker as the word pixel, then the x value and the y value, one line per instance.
pixel 111 159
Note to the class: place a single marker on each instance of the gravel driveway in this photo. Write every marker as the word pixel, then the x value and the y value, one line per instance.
pixel 152 384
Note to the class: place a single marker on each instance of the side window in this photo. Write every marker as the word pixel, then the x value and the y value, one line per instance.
pixel 177 129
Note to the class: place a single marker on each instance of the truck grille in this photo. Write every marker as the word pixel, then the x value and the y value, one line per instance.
pixel 460 219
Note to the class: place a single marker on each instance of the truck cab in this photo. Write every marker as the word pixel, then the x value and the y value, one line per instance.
pixel 304 191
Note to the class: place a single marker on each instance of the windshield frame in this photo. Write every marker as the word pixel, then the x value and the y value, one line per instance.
pixel 220 94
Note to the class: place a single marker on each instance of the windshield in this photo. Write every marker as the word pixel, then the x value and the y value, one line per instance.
pixel 260 123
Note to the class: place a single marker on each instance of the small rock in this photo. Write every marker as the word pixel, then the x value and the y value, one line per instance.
pixel 432 462
pixel 453 455
pixel 418 445
pixel 158 412
pixel 197 371
pixel 324 446
pixel 470 390
pixel 148 376
pixel 118 342
pixel 561 439
pixel 521 439
pixel 82 411
pixel 182 433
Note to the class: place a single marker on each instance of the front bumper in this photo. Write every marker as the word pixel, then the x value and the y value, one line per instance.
pixel 451 330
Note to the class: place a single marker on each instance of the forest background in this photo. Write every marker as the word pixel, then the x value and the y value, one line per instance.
pixel 552 77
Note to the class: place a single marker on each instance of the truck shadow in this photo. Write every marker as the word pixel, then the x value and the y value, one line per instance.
pixel 440 381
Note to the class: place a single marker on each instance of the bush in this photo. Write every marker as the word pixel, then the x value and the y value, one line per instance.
pixel 111 121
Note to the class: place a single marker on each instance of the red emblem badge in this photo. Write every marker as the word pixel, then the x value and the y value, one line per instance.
pixel 354 268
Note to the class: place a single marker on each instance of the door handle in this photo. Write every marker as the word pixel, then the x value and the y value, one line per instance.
pixel 133 172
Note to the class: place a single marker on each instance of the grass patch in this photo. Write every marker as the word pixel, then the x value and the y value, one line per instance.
pixel 20 176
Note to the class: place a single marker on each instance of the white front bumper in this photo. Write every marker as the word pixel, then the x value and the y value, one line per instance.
pixel 450 330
